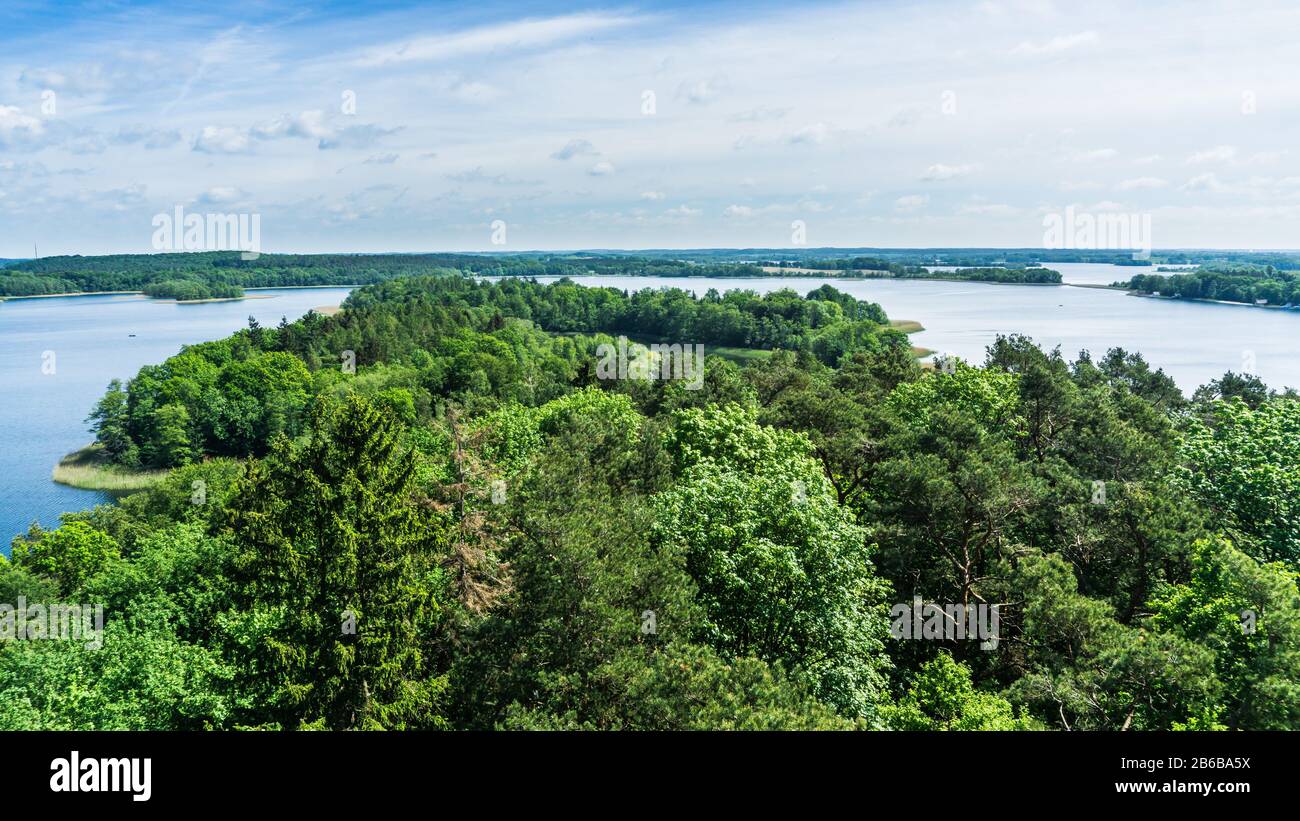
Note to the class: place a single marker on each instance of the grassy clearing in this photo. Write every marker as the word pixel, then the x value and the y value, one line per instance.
pixel 907 326
pixel 89 469
pixel 741 356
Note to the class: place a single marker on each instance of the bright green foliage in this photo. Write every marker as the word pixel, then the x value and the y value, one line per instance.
pixel 985 396
pixel 1245 465
pixel 732 436
pixel 1249 615
pixel 69 555
pixel 941 697
pixel 141 679
pixel 783 572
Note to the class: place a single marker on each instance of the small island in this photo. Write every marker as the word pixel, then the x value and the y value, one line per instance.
pixel 191 290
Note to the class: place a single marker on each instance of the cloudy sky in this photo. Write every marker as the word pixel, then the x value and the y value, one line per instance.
pixel 409 127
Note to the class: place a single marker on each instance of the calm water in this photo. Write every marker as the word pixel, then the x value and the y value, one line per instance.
pixel 1091 273
pixel 42 415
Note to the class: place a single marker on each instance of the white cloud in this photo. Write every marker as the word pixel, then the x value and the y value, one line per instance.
pixel 222 140
pixel 604 168
pixel 683 211
pixel 1094 155
pixel 1203 182
pixel 308 124
pixel 150 138
pixel 1074 113
pixel 523 34
pixel 701 92
pixel 995 209
pixel 1265 157
pixel 1141 182
pixel 1056 45
pixel 575 148
pixel 221 195
pixel 759 115
pixel 16 126
pixel 911 202
pixel 939 171
pixel 814 134
pixel 1220 153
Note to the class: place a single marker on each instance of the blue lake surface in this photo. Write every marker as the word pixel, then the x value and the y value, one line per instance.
pixel 42 415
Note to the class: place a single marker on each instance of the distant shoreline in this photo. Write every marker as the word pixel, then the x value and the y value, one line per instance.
pixel 72 293
pixel 182 301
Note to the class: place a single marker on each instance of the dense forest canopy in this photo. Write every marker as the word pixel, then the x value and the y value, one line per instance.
pixel 430 511
pixel 191 289
pixel 460 337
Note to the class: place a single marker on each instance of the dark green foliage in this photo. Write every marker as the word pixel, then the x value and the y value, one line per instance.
pixel 337 574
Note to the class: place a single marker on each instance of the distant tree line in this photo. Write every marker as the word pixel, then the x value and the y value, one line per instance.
pixel 223 271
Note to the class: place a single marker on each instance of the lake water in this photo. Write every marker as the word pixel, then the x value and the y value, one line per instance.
pixel 42 414
pixel 1091 273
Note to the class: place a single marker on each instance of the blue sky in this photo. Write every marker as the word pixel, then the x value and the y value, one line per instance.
pixel 874 124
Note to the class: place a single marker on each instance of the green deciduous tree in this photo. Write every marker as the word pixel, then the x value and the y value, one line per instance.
pixel 783 572
pixel 1245 466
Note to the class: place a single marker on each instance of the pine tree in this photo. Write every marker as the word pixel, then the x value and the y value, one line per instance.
pixel 334 555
